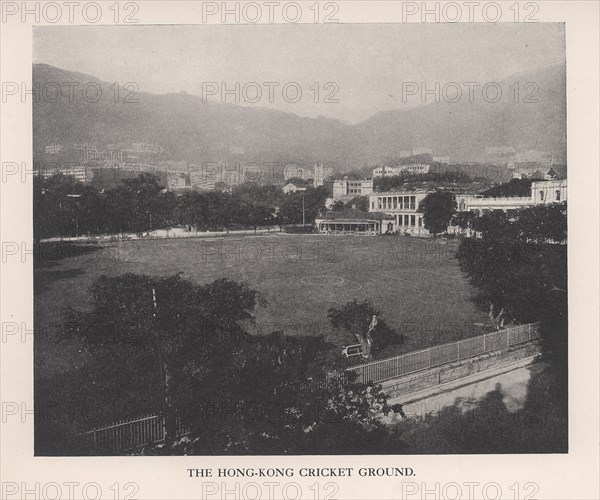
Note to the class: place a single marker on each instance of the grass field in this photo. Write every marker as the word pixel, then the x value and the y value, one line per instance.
pixel 415 283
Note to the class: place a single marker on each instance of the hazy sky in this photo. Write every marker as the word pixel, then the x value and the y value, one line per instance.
pixel 367 62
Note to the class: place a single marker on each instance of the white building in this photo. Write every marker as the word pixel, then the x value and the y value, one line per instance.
pixel 422 151
pixel 176 181
pixel 202 180
pixel 549 191
pixel 412 168
pixel 296 172
pixel 53 149
pixel 349 188
pixel 402 206
pixel 79 173
pixel 293 187
pixel 415 168
pixel 442 159
pixel 386 171
pixel 542 192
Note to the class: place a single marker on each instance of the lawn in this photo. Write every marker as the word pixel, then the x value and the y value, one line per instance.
pixel 415 283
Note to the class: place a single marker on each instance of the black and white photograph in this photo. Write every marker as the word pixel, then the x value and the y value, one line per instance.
pixel 300 240
pixel 311 250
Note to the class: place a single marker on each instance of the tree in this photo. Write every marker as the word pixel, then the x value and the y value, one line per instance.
pixel 183 349
pixel 338 206
pixel 262 401
pixel 519 265
pixel 149 333
pixel 514 187
pixel 437 209
pixel 363 322
pixel 360 203
pixel 257 214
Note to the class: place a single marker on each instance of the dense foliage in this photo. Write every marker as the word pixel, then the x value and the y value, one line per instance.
pixel 520 265
pixel 398 181
pixel 65 207
pixel 183 350
pixel 514 187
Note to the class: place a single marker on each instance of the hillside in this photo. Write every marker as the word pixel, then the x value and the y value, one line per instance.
pixel 212 132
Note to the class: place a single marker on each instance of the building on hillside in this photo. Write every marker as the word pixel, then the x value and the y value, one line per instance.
pixel 403 207
pixel 202 180
pixel 386 171
pixel 79 172
pixel 355 222
pixel 411 168
pixel 86 146
pixel 415 168
pixel 442 159
pixel 551 175
pixel 294 187
pixel 346 189
pixel 294 171
pixel 53 149
pixel 176 181
pixel 144 147
pixel 422 151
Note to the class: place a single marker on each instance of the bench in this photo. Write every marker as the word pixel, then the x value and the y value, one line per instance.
pixel 352 350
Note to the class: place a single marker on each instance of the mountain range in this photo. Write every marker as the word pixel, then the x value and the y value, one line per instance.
pixel 198 131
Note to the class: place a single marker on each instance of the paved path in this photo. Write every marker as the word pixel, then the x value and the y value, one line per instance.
pixel 512 379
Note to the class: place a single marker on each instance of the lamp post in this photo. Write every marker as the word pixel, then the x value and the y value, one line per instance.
pixel 303 216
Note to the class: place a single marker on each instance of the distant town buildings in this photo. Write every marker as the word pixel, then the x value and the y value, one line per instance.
pixel 442 159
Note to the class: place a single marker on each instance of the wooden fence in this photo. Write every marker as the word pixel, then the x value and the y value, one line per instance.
pixel 386 369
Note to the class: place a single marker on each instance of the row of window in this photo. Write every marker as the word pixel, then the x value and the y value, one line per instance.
pixel 396 203
pixel 556 195
pixel 410 221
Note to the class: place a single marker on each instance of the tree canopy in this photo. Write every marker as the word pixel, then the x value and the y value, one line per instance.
pixel 437 209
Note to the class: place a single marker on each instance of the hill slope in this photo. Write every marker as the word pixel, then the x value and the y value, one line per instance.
pixel 212 132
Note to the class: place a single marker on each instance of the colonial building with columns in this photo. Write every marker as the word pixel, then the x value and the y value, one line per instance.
pixel 403 207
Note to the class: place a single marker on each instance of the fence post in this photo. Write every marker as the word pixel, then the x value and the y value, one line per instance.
pixel 529 331
pixel 484 346
pixel 429 352
pixel 458 355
